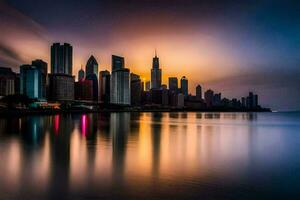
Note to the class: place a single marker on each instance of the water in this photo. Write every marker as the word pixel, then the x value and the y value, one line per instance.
pixel 151 156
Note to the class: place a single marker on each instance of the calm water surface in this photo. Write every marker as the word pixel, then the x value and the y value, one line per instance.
pixel 151 156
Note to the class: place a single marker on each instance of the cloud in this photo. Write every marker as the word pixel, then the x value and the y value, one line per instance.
pixel 22 39
pixel 8 56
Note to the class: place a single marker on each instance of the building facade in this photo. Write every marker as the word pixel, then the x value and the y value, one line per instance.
pixel 91 66
pixel 30 81
pixel 61 58
pixel 120 82
pixel 184 84
pixel 155 74
pixel 81 74
pixel 209 96
pixel 104 85
pixel 135 89
pixel 173 84
pixel 198 92
pixel 7 81
pixel 43 67
pixel 83 90
pixel 61 87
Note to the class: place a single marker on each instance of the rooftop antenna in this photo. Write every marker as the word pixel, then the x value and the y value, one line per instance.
pixel 155 53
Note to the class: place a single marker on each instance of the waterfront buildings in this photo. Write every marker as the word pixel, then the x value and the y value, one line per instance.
pixel 184 84
pixel 61 87
pixel 61 81
pixel 30 81
pixel 209 96
pixel 104 84
pixel 84 90
pixel 42 66
pixel 81 74
pixel 135 89
pixel 120 82
pixel 198 92
pixel 91 66
pixel 155 73
pixel 61 58
pixel 7 81
pixel 173 84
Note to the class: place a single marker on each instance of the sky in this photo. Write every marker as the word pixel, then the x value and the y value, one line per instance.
pixel 229 46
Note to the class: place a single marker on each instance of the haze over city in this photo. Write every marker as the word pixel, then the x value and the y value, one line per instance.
pixel 229 47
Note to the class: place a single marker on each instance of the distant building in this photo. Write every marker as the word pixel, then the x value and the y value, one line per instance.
pixel 43 67
pixel 252 101
pixel 7 81
pixel 164 86
pixel 61 87
pixel 180 100
pixel 94 79
pixel 209 96
pixel 198 92
pixel 61 59
pixel 104 84
pixel 184 86
pixel 91 66
pixel 118 62
pixel 91 71
pixel 136 89
pixel 243 102
pixel 217 99
pixel 148 86
pixel 156 96
pixel 155 73
pixel 165 97
pixel 83 90
pixel 81 74
pixel 173 99
pixel 173 84
pixel 120 82
pixel 30 84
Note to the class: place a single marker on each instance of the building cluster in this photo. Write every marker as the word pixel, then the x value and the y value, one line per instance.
pixel 118 87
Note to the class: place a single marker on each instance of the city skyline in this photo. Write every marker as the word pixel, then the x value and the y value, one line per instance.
pixel 258 55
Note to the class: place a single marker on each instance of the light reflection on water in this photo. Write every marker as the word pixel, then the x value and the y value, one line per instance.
pixel 150 155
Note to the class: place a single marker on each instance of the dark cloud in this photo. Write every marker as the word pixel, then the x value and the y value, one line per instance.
pixel 9 57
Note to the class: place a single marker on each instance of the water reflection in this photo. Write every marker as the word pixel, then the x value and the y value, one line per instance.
pixel 182 155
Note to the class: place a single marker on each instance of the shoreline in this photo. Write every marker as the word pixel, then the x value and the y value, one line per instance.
pixel 27 112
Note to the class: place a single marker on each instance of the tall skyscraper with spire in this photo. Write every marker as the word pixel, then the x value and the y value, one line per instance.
pixel 155 73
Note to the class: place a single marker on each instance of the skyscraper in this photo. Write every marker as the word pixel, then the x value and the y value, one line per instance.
pixel 120 82
pixel 173 84
pixel 30 81
pixel 7 81
pixel 91 66
pixel 92 74
pixel 198 92
pixel 155 73
pixel 209 97
pixel 43 67
pixel 61 58
pixel 61 87
pixel 104 84
pixel 135 89
pixel 117 62
pixel 184 86
pixel 81 74
pixel 83 90
pixel 148 85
